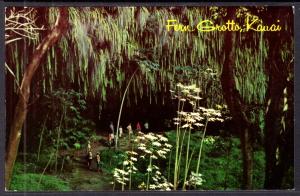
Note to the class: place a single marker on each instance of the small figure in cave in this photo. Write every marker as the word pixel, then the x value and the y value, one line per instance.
pixel 98 162
pixel 129 129
pixel 120 131
pixel 111 127
pixel 69 163
pixel 89 159
pixel 89 148
pixel 138 127
pixel 111 139
pixel 146 125
pixel 168 123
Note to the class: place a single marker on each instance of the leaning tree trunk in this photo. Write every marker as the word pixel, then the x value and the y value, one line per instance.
pixel 24 93
pixel 235 104
pixel 121 108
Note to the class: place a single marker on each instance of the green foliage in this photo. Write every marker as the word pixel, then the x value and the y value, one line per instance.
pixel 226 156
pixel 28 164
pixel 28 181
pixel 221 166
pixel 258 169
pixel 77 146
pixel 65 108
pixel 112 159
pixel 288 180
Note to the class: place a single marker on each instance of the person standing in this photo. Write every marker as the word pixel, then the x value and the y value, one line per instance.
pixel 89 148
pixel 120 131
pixel 111 127
pixel 110 139
pixel 98 162
pixel 112 136
pixel 129 129
pixel 146 125
pixel 89 159
pixel 138 127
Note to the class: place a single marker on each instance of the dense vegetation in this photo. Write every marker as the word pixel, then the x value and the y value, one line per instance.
pixel 219 152
pixel 219 104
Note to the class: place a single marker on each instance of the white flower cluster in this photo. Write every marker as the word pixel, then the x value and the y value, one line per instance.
pixel 159 181
pixel 195 179
pixel 122 175
pixel 189 119
pixel 186 93
pixel 153 145
pixel 211 114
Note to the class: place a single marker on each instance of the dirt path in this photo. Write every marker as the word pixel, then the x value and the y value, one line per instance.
pixel 84 179
pixel 81 178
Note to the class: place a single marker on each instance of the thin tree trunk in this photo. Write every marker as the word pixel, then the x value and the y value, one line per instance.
pixel 247 153
pixel 235 104
pixel 49 161
pixel 21 107
pixel 41 137
pixel 227 163
pixel 58 138
pixel 120 112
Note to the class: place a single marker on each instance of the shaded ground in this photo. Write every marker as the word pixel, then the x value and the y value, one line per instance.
pixel 83 179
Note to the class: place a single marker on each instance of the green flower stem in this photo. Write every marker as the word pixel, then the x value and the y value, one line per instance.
pixel 169 168
pixel 148 176
pixel 200 150
pixel 131 166
pixel 180 152
pixel 191 158
pixel 114 184
pixel 186 160
pixel 130 178
pixel 177 150
pixel 123 180
pixel 178 145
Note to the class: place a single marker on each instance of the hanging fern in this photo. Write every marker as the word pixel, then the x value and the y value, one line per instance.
pixel 103 47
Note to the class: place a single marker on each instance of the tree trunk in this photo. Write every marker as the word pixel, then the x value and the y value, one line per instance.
pixel 279 156
pixel 235 104
pixel 275 135
pixel 247 153
pixel 272 130
pixel 21 107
